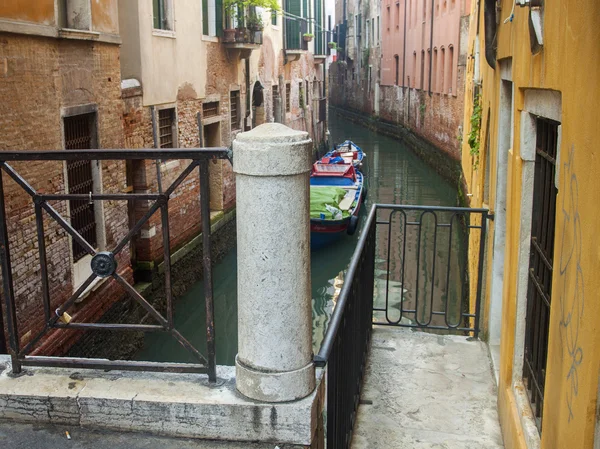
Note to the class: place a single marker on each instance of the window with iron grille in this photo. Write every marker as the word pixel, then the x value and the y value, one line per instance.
pixel 539 289
pixel 166 127
pixel 210 109
pixel 80 135
pixel 288 94
pixel 234 104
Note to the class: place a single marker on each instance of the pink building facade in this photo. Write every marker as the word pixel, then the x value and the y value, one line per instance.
pixel 413 56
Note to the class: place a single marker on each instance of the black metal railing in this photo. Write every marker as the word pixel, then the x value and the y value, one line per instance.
pixel 103 263
pixel 346 343
pixel 423 255
pixel 379 258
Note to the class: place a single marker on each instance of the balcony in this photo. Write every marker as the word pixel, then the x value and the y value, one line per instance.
pixel 242 41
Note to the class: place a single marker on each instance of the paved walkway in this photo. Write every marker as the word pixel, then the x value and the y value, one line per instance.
pixel 425 391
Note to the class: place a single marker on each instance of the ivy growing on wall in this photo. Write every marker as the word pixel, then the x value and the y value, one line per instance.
pixel 474 138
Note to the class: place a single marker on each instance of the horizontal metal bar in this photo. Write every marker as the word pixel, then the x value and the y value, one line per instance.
pixel 102 196
pixel 443 328
pixel 103 364
pixel 429 208
pixel 111 326
pixel 108 155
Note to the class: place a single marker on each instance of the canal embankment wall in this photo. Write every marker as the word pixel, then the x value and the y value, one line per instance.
pixel 186 270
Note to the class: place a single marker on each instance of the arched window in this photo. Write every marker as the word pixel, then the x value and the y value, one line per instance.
pixel 450 68
pixel 414 69
pixel 422 69
pixel 434 71
pixel 442 71
pixel 397 60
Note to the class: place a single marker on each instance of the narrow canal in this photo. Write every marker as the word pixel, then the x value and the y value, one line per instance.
pixel 394 175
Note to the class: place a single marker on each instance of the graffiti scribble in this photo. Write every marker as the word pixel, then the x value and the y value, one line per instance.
pixel 571 285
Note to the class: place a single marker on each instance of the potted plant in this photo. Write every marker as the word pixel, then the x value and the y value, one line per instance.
pixel 238 13
pixel 308 37
pixel 332 45
pixel 255 26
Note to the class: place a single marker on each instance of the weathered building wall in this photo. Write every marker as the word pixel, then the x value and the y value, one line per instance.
pixel 44 79
pixel 553 83
pixel 376 79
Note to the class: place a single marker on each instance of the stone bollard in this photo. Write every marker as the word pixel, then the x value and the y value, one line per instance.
pixel 274 360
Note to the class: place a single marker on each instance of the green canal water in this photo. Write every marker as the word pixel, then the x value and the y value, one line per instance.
pixel 394 175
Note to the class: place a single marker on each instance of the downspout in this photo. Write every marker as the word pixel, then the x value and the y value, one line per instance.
pixel 431 47
pixel 490 30
pixel 248 94
pixel 284 31
pixel 404 49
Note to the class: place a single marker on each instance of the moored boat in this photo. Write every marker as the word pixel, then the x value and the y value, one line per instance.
pixel 336 194
pixel 345 153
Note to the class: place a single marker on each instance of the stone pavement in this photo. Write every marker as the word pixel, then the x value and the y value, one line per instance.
pixel 426 391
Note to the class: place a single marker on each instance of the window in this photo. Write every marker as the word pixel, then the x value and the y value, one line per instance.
pixel 450 68
pixel 273 17
pixel 80 133
pixel 166 128
pixel 212 17
pixel 329 22
pixel 234 106
pixel 397 60
pixel 539 289
pixel 414 69
pixel 389 18
pixel 397 16
pixel 434 71
pixel 301 95
pixel 422 69
pixel 373 31
pixel 210 109
pixel 288 94
pixel 442 71
pixel 367 33
pixel 377 30
pixel 162 11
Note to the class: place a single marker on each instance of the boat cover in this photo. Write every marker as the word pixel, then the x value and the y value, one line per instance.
pixel 321 197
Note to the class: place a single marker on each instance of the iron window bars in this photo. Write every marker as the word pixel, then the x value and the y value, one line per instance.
pixel 103 263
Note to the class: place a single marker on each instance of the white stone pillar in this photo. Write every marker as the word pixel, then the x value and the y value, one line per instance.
pixel 274 361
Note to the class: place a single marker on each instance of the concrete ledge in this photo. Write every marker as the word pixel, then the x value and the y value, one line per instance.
pixel 160 403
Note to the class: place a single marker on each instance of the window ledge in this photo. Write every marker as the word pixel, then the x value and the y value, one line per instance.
pixel 206 38
pixel 164 33
pixel 71 33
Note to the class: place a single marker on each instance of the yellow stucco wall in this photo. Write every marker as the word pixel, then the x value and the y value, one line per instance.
pixel 570 64
pixel 38 11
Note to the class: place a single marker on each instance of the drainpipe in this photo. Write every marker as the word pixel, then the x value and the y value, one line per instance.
pixel 490 30
pixel 284 31
pixel 404 49
pixel 248 94
pixel 2 338
pixel 431 46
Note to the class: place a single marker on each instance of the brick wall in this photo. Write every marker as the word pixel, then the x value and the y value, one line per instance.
pixel 42 76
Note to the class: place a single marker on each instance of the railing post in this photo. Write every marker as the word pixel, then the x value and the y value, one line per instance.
pixel 274 363
pixel 7 284
pixel 484 216
pixel 208 281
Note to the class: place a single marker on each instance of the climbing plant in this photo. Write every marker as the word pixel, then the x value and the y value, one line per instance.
pixel 474 138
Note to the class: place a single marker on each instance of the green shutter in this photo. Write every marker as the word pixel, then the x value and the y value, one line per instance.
pixel 205 17
pixel 292 24
pixel 156 11
pixel 219 16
